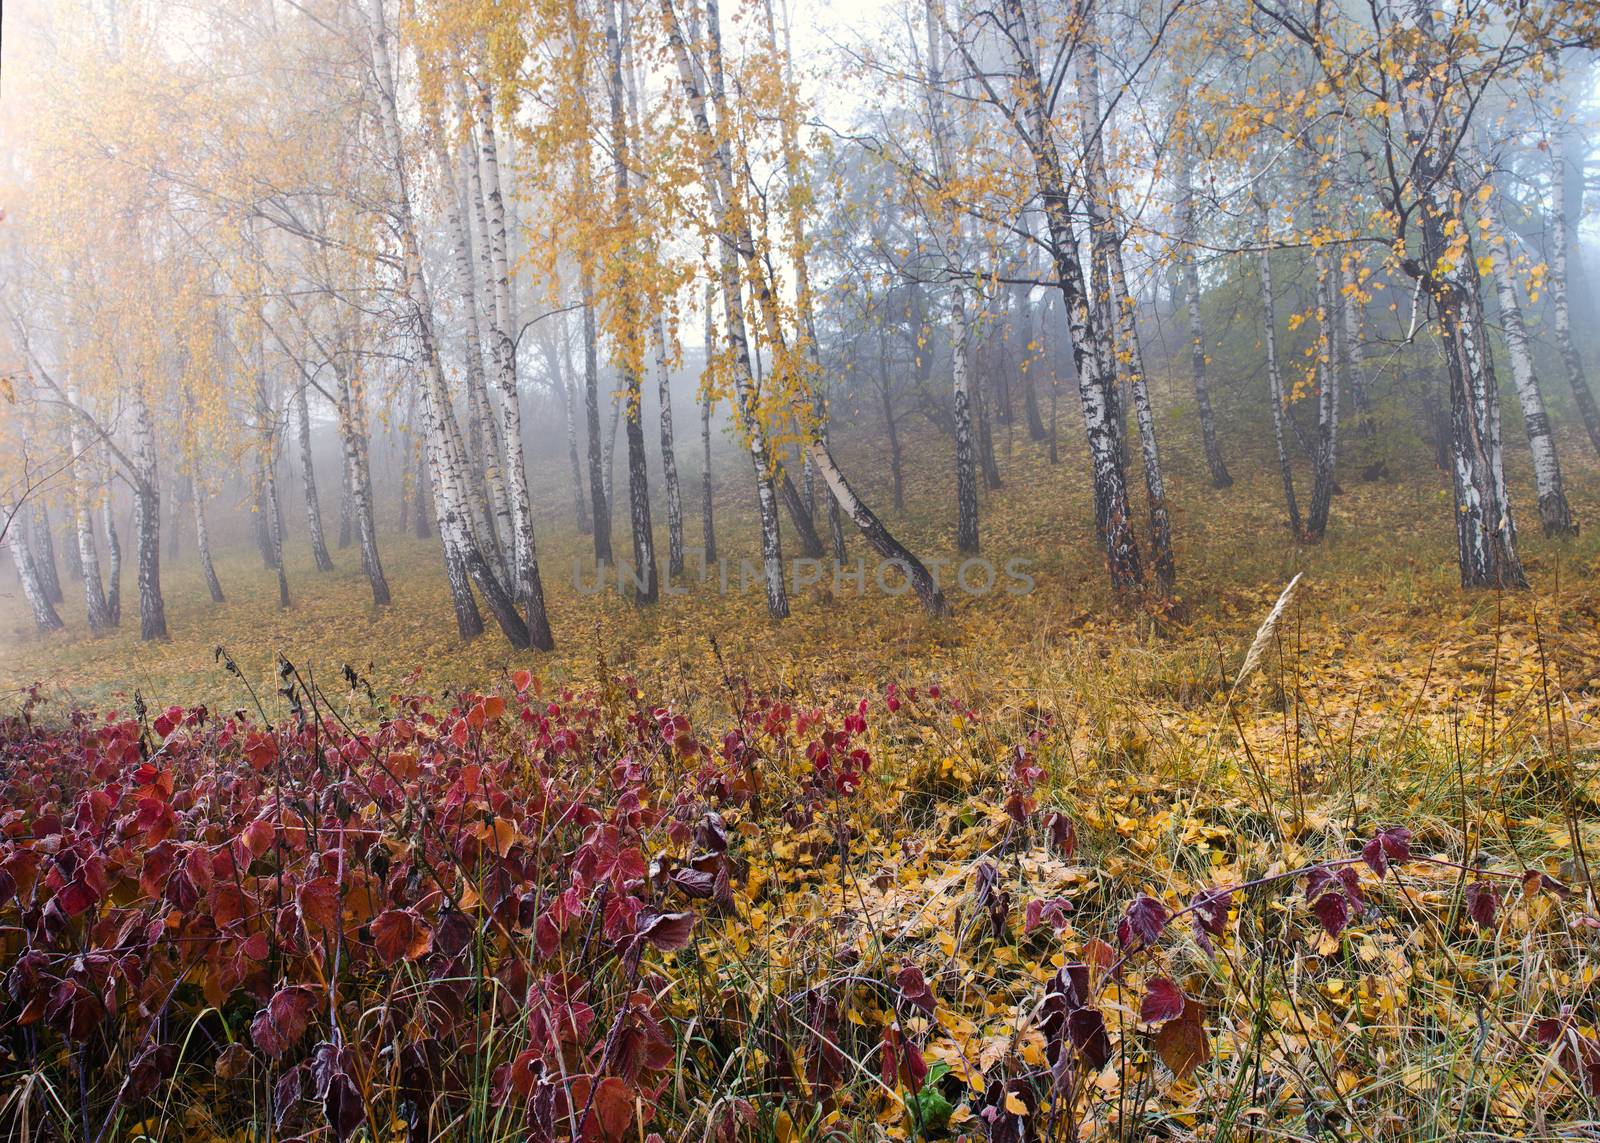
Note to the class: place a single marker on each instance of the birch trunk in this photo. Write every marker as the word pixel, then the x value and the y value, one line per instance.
pixel 358 475
pixel 715 174
pixel 1111 494
pixel 94 598
pixel 886 393
pixel 558 363
pixel 960 334
pixel 44 553
pixel 147 521
pixel 108 520
pixel 1269 338
pixel 450 499
pixel 346 519
pixel 527 586
pixel 1485 531
pixel 647 586
pixel 1188 239
pixel 1326 456
pixel 599 502
pixel 610 446
pixel 626 64
pixel 202 540
pixel 1030 383
pixel 1563 240
pixel 708 527
pixel 308 482
pixel 1354 354
pixel 1120 310
pixel 1554 512
pixel 490 432
pixel 669 459
pixel 274 519
pixel 45 617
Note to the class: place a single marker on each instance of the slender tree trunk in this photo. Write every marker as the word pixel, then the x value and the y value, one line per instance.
pixel 879 537
pixel 1354 354
pixel 885 391
pixel 147 521
pixel 527 587
pixel 455 525
pixel 716 165
pixel 560 368
pixel 1032 358
pixel 599 502
pixel 44 553
pixel 1119 309
pixel 960 333
pixel 358 475
pixel 986 458
pixel 490 431
pixel 1111 494
pixel 406 453
pixel 669 458
pixel 266 446
pixel 1269 338
pixel 202 540
pixel 610 446
pixel 69 553
pixel 799 251
pixel 800 515
pixel 346 521
pixel 260 524
pixel 708 527
pixel 647 586
pixel 99 615
pixel 1563 240
pixel 1220 477
pixel 269 492
pixel 1326 456
pixel 717 175
pixel 469 620
pixel 45 617
pixel 108 520
pixel 173 530
pixel 1485 530
pixel 308 482
pixel 1553 510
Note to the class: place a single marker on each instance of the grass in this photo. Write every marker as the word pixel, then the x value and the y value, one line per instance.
pixel 1387 696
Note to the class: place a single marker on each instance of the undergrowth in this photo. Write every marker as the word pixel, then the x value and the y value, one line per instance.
pixel 1339 892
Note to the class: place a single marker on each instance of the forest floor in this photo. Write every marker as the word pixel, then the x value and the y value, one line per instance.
pixel 923 916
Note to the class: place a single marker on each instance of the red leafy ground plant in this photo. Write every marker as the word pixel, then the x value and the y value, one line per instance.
pixel 354 927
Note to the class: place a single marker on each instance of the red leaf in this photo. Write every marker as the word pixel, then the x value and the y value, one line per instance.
pixel 280 1025
pixel 401 934
pixel 1053 912
pixel 914 988
pixel 261 749
pixel 1164 1001
pixel 1333 911
pixel 1482 902
pixel 1086 1028
pixel 1144 922
pixel 1063 834
pixel 1182 1043
pixel 613 1109
pixel 319 905
pixel 1392 844
pixel 666 931
pixel 257 837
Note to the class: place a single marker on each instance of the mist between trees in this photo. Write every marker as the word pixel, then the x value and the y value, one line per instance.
pixel 317 272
